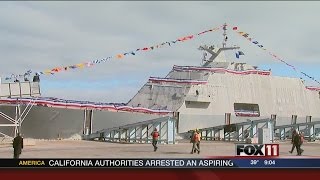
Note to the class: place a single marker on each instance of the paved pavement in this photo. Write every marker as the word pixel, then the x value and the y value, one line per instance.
pixel 91 149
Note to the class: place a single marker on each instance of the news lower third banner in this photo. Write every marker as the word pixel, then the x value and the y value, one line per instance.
pixel 162 163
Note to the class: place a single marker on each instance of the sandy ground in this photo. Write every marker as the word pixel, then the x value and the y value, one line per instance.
pixel 92 149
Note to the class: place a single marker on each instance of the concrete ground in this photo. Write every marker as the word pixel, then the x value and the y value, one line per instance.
pixel 92 149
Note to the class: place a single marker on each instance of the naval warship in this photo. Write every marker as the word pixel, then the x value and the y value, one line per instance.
pixel 216 93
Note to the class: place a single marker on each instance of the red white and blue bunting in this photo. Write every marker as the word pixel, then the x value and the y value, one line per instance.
pixel 220 70
pixel 245 113
pixel 312 88
pixel 176 81
pixel 71 104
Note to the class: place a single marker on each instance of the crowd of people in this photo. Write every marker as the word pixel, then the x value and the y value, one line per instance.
pixel 195 138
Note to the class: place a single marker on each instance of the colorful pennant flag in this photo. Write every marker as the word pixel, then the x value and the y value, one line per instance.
pixel 118 56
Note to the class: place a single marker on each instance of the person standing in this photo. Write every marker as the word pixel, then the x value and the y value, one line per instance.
pixel 292 139
pixel 192 138
pixel 296 140
pixel 17 146
pixel 196 142
pixel 301 136
pixel 155 137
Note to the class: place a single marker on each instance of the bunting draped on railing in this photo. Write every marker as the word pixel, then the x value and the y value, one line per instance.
pixel 117 56
pixel 313 88
pixel 247 113
pixel 178 81
pixel 71 104
pixel 258 44
pixel 220 70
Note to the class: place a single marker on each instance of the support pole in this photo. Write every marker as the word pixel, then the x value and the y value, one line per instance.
pixel 253 129
pixel 311 132
pixel 19 118
pixel 270 126
pixel 16 122
pixel 240 133
pixel 282 133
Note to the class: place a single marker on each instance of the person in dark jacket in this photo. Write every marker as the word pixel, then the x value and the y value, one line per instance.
pixel 296 140
pixel 17 146
pixel 292 138
pixel 192 132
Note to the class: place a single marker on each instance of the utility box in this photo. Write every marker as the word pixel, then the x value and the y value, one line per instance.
pixel 264 136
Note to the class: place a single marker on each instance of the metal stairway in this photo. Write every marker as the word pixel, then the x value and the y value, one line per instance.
pixel 238 131
pixel 138 132
pixel 308 128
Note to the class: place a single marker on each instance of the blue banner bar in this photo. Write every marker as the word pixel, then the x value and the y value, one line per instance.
pixel 277 163
pixel 226 162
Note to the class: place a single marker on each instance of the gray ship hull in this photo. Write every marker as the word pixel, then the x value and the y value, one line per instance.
pixel 53 123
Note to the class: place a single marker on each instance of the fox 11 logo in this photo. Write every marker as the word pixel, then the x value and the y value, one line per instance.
pixel 257 149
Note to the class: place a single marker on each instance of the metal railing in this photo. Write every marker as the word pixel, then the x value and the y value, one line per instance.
pixel 138 132
pixel 20 89
pixel 308 128
pixel 241 131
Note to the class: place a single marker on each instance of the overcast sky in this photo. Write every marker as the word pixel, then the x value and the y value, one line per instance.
pixel 45 35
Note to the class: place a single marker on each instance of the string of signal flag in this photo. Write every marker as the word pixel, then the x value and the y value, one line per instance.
pixel 150 48
pixel 117 56
pixel 255 42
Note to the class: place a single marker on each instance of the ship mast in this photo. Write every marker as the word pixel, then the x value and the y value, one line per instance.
pixel 217 54
pixel 225 38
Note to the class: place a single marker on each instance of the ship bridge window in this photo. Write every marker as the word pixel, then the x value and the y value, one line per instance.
pixel 246 110
pixel 308 119
pixel 294 119
pixel 227 118
pixel 274 119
